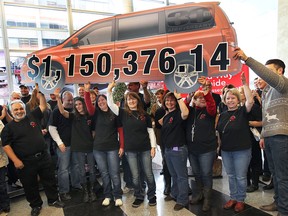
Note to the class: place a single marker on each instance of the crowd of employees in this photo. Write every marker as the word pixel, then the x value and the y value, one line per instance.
pixel 92 131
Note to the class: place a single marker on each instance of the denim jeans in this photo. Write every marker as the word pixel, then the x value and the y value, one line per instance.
pixel 177 166
pixel 202 167
pixel 83 159
pixel 67 163
pixel 236 164
pixel 4 198
pixel 145 160
pixel 109 166
pixel 276 148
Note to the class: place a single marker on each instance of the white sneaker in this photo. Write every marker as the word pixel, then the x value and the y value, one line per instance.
pixel 17 184
pixel 106 202
pixel 118 202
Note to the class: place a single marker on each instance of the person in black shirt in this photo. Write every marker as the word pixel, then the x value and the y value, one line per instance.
pixel 140 143
pixel 81 143
pixel 25 145
pixel 234 131
pixel 202 143
pixel 176 153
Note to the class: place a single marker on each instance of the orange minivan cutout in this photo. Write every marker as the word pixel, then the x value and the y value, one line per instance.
pixel 176 44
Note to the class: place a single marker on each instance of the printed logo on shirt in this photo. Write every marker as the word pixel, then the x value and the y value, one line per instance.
pixel 232 118
pixel 33 124
pixel 89 122
pixel 202 116
pixel 142 117
pixel 170 120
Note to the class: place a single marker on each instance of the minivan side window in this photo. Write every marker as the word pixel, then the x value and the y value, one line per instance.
pixel 95 34
pixel 138 26
pixel 189 19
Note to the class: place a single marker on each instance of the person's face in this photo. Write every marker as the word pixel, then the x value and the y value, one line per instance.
pixel 102 104
pixel 79 106
pixel 18 112
pixel 159 97
pixel 96 91
pixel 256 83
pixel 15 96
pixel 132 103
pixel 231 101
pixel 273 68
pixel 24 91
pixel 68 101
pixel 200 102
pixel 81 91
pixel 261 84
pixel 52 96
pixel 93 97
pixel 133 87
pixel 170 103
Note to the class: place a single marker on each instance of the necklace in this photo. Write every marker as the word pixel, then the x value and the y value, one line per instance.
pixel 135 116
pixel 231 118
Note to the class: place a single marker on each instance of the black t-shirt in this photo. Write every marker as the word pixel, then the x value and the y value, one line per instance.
pixel 136 137
pixel 25 137
pixel 234 131
pixel 173 130
pixel 52 104
pixel 81 136
pixel 160 112
pixel 204 139
pixel 105 125
pixel 25 99
pixel 63 125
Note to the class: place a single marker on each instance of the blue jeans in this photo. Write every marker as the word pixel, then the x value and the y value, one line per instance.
pixel 4 198
pixel 108 163
pixel 236 164
pixel 145 160
pixel 81 158
pixel 177 166
pixel 276 148
pixel 67 163
pixel 202 167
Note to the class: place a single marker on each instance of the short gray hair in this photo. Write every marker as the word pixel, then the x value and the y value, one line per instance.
pixel 17 101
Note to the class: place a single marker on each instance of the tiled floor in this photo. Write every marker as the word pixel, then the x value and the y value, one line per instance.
pixel 19 206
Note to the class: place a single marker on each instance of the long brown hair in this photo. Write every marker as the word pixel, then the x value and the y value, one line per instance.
pixel 140 108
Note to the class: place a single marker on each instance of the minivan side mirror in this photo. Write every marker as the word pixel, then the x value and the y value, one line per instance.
pixel 75 41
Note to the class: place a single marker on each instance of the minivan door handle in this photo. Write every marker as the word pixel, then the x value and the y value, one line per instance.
pixel 122 47
pixel 106 48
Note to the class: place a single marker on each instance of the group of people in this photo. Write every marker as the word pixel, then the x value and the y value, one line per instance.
pixel 93 129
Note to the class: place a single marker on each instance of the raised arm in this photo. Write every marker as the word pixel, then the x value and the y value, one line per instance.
pixel 184 109
pixel 248 93
pixel 41 98
pixel 88 102
pixel 64 112
pixel 147 97
pixel 111 104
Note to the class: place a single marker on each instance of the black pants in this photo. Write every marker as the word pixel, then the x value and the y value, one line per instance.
pixel 255 166
pixel 42 167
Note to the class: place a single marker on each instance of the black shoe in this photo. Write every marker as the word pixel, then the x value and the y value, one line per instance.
pixel 137 203
pixel 167 190
pixel 178 207
pixel 190 191
pixel 6 210
pixel 65 197
pixel 161 172
pixel 268 187
pixel 168 198
pixel 266 178
pixel 36 211
pixel 57 204
pixel 153 201
pixel 251 188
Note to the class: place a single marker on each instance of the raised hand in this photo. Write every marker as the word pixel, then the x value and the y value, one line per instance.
pixel 111 86
pixel 87 87
pixel 243 78
pixel 144 83
pixel 239 54
pixel 57 92
pixel 176 94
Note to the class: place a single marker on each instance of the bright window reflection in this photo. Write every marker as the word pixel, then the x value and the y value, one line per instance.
pixel 82 19
pixel 55 3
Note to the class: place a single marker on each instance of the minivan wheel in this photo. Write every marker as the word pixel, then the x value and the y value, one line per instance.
pixel 47 84
pixel 184 77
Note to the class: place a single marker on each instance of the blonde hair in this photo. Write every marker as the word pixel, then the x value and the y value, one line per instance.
pixel 233 91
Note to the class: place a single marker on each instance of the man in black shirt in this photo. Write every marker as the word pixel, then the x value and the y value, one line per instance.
pixel 25 96
pixel 24 144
